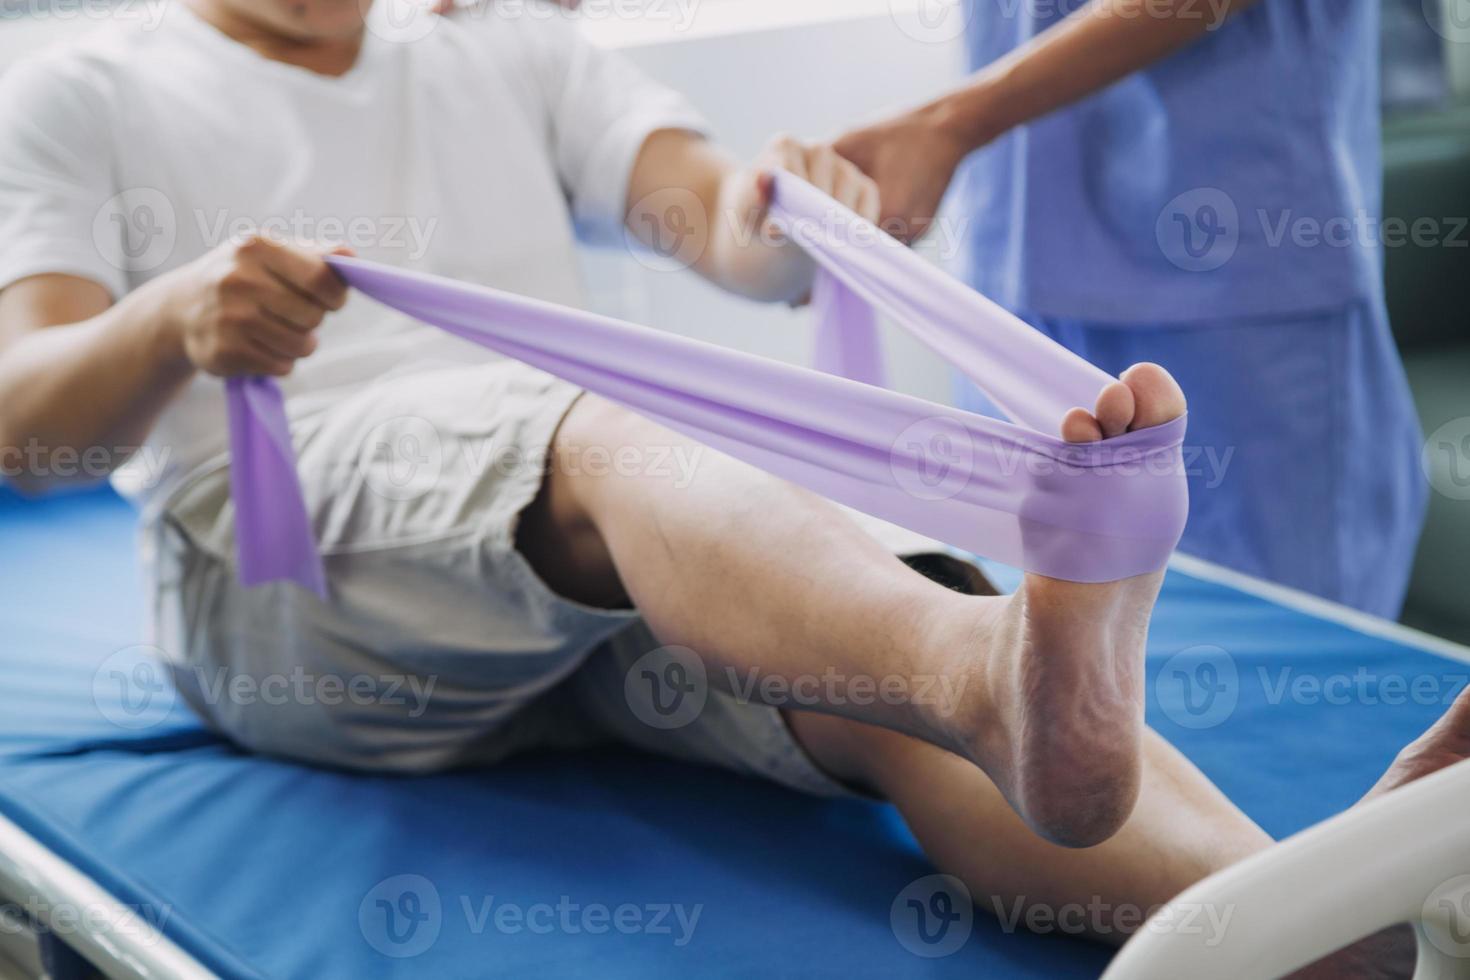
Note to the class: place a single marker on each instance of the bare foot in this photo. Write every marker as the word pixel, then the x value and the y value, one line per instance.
pixel 1067 680
pixel 1446 743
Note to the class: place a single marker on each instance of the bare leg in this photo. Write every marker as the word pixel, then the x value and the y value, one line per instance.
pixel 758 575
pixel 1182 830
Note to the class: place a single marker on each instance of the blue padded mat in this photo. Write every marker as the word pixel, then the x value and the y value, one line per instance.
pixel 261 868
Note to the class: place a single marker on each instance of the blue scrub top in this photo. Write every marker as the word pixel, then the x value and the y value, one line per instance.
pixel 1239 177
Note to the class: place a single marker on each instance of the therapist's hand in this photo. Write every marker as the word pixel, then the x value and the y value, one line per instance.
pixel 912 158
pixel 252 306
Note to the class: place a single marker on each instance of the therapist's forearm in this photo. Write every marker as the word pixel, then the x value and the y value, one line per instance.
pixel 1098 44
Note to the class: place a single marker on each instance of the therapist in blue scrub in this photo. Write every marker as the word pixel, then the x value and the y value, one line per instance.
pixel 1197 183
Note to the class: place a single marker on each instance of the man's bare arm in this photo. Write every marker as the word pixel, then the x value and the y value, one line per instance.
pixel 78 373
pixel 914 155
pixel 689 200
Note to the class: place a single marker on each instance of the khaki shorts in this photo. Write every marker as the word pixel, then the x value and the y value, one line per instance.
pixel 441 647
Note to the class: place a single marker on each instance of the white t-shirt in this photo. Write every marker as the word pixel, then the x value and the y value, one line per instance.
pixel 469 152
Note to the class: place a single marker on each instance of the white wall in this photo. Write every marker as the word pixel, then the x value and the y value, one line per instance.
pixel 753 67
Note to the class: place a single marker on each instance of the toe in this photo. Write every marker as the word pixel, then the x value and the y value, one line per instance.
pixel 1116 406
pixel 1079 426
pixel 1157 396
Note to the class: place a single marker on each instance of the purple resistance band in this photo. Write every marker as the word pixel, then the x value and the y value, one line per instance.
pixel 1007 490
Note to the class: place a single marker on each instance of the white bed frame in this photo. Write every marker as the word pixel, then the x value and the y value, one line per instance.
pixel 36 878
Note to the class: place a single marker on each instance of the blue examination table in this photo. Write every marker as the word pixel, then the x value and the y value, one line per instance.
pixel 254 867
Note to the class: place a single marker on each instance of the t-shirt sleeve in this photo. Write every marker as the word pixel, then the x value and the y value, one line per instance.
pixel 600 109
pixel 55 178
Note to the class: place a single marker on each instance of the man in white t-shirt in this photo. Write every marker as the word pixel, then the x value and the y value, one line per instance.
pixel 155 186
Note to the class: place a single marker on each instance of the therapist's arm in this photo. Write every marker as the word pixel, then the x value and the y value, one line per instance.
pixel 688 200
pixel 913 156
pixel 81 376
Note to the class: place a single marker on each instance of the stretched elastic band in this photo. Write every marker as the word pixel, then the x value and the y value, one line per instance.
pixel 1008 490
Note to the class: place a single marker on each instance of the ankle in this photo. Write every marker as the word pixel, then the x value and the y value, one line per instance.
pixel 967 668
